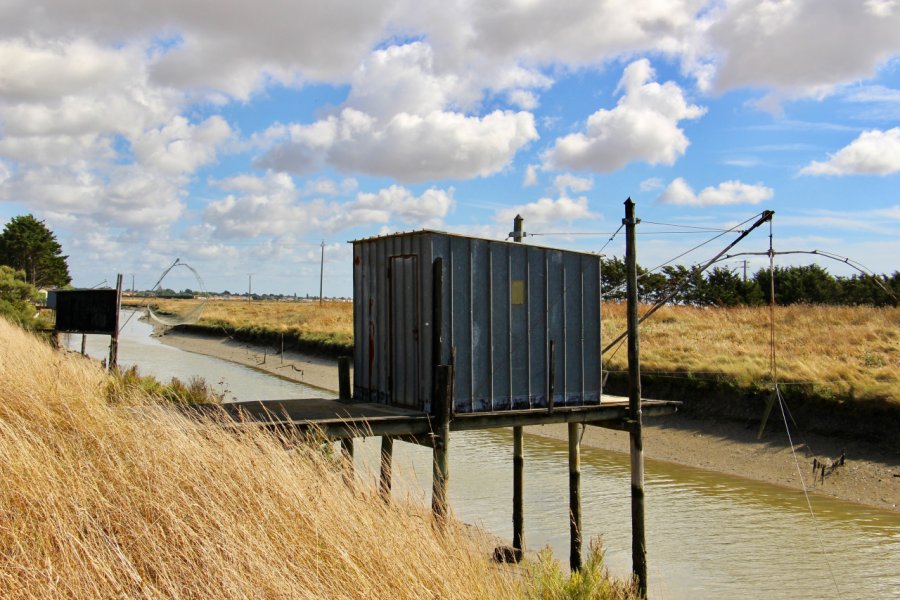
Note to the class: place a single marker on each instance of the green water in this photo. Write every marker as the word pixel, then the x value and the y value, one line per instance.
pixel 708 535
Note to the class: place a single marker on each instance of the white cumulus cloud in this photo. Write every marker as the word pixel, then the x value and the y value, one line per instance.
pixel 179 146
pixel 405 119
pixel 548 211
pixel 271 205
pixel 801 47
pixel 396 203
pixel 642 127
pixel 727 192
pixel 407 147
pixel 567 181
pixel 872 153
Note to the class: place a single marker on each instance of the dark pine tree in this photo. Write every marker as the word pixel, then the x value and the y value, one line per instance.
pixel 28 245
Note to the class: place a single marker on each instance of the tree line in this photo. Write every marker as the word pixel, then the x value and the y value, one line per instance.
pixel 719 286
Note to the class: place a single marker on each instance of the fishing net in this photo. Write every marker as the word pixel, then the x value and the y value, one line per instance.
pixel 180 309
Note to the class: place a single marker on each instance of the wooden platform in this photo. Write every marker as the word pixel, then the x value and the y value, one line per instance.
pixel 338 419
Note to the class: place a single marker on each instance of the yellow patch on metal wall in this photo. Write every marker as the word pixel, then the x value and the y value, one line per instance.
pixel 517 292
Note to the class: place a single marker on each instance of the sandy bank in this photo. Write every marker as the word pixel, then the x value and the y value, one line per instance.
pixel 311 370
pixel 870 476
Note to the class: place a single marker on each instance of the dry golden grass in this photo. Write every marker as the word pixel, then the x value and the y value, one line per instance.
pixel 101 500
pixel 330 321
pixel 845 352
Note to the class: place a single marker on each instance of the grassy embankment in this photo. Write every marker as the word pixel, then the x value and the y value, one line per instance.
pixel 826 356
pixel 837 352
pixel 325 328
pixel 839 367
pixel 106 491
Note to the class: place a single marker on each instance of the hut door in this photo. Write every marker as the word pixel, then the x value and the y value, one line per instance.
pixel 403 275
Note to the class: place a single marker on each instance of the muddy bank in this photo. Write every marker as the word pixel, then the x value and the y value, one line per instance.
pixel 870 476
pixel 312 370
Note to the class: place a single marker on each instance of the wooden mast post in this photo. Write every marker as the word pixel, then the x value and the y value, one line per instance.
pixel 441 444
pixel 638 543
pixel 518 451
pixel 114 342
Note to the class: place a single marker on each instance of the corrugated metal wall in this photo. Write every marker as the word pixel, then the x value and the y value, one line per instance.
pixel 502 306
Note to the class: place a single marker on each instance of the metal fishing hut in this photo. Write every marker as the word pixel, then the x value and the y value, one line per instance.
pixel 455 333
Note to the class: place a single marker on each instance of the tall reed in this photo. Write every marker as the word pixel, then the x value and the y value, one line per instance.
pixel 128 497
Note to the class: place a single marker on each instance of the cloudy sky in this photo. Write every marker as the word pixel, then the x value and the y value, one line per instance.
pixel 238 136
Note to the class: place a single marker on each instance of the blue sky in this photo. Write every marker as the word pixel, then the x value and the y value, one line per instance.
pixel 238 136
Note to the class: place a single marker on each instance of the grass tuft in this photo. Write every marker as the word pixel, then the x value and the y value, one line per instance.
pixel 546 580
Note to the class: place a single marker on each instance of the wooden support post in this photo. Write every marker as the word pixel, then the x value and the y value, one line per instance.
pixel 575 496
pixel 344 363
pixel 114 342
pixel 83 344
pixel 638 538
pixel 441 430
pixel 347 457
pixel 518 491
pixel 387 457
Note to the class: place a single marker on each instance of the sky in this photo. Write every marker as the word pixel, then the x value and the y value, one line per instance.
pixel 240 137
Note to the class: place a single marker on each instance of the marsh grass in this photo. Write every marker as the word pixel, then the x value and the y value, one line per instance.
pixel 327 324
pixel 846 353
pixel 128 382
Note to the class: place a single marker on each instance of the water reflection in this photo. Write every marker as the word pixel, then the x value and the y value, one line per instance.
pixel 709 535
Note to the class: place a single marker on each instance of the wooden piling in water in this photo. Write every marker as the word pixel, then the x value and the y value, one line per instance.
pixel 518 490
pixel 441 430
pixel 638 538
pixel 575 541
pixel 387 456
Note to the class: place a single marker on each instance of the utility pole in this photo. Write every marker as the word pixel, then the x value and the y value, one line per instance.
pixel 638 543
pixel 322 272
